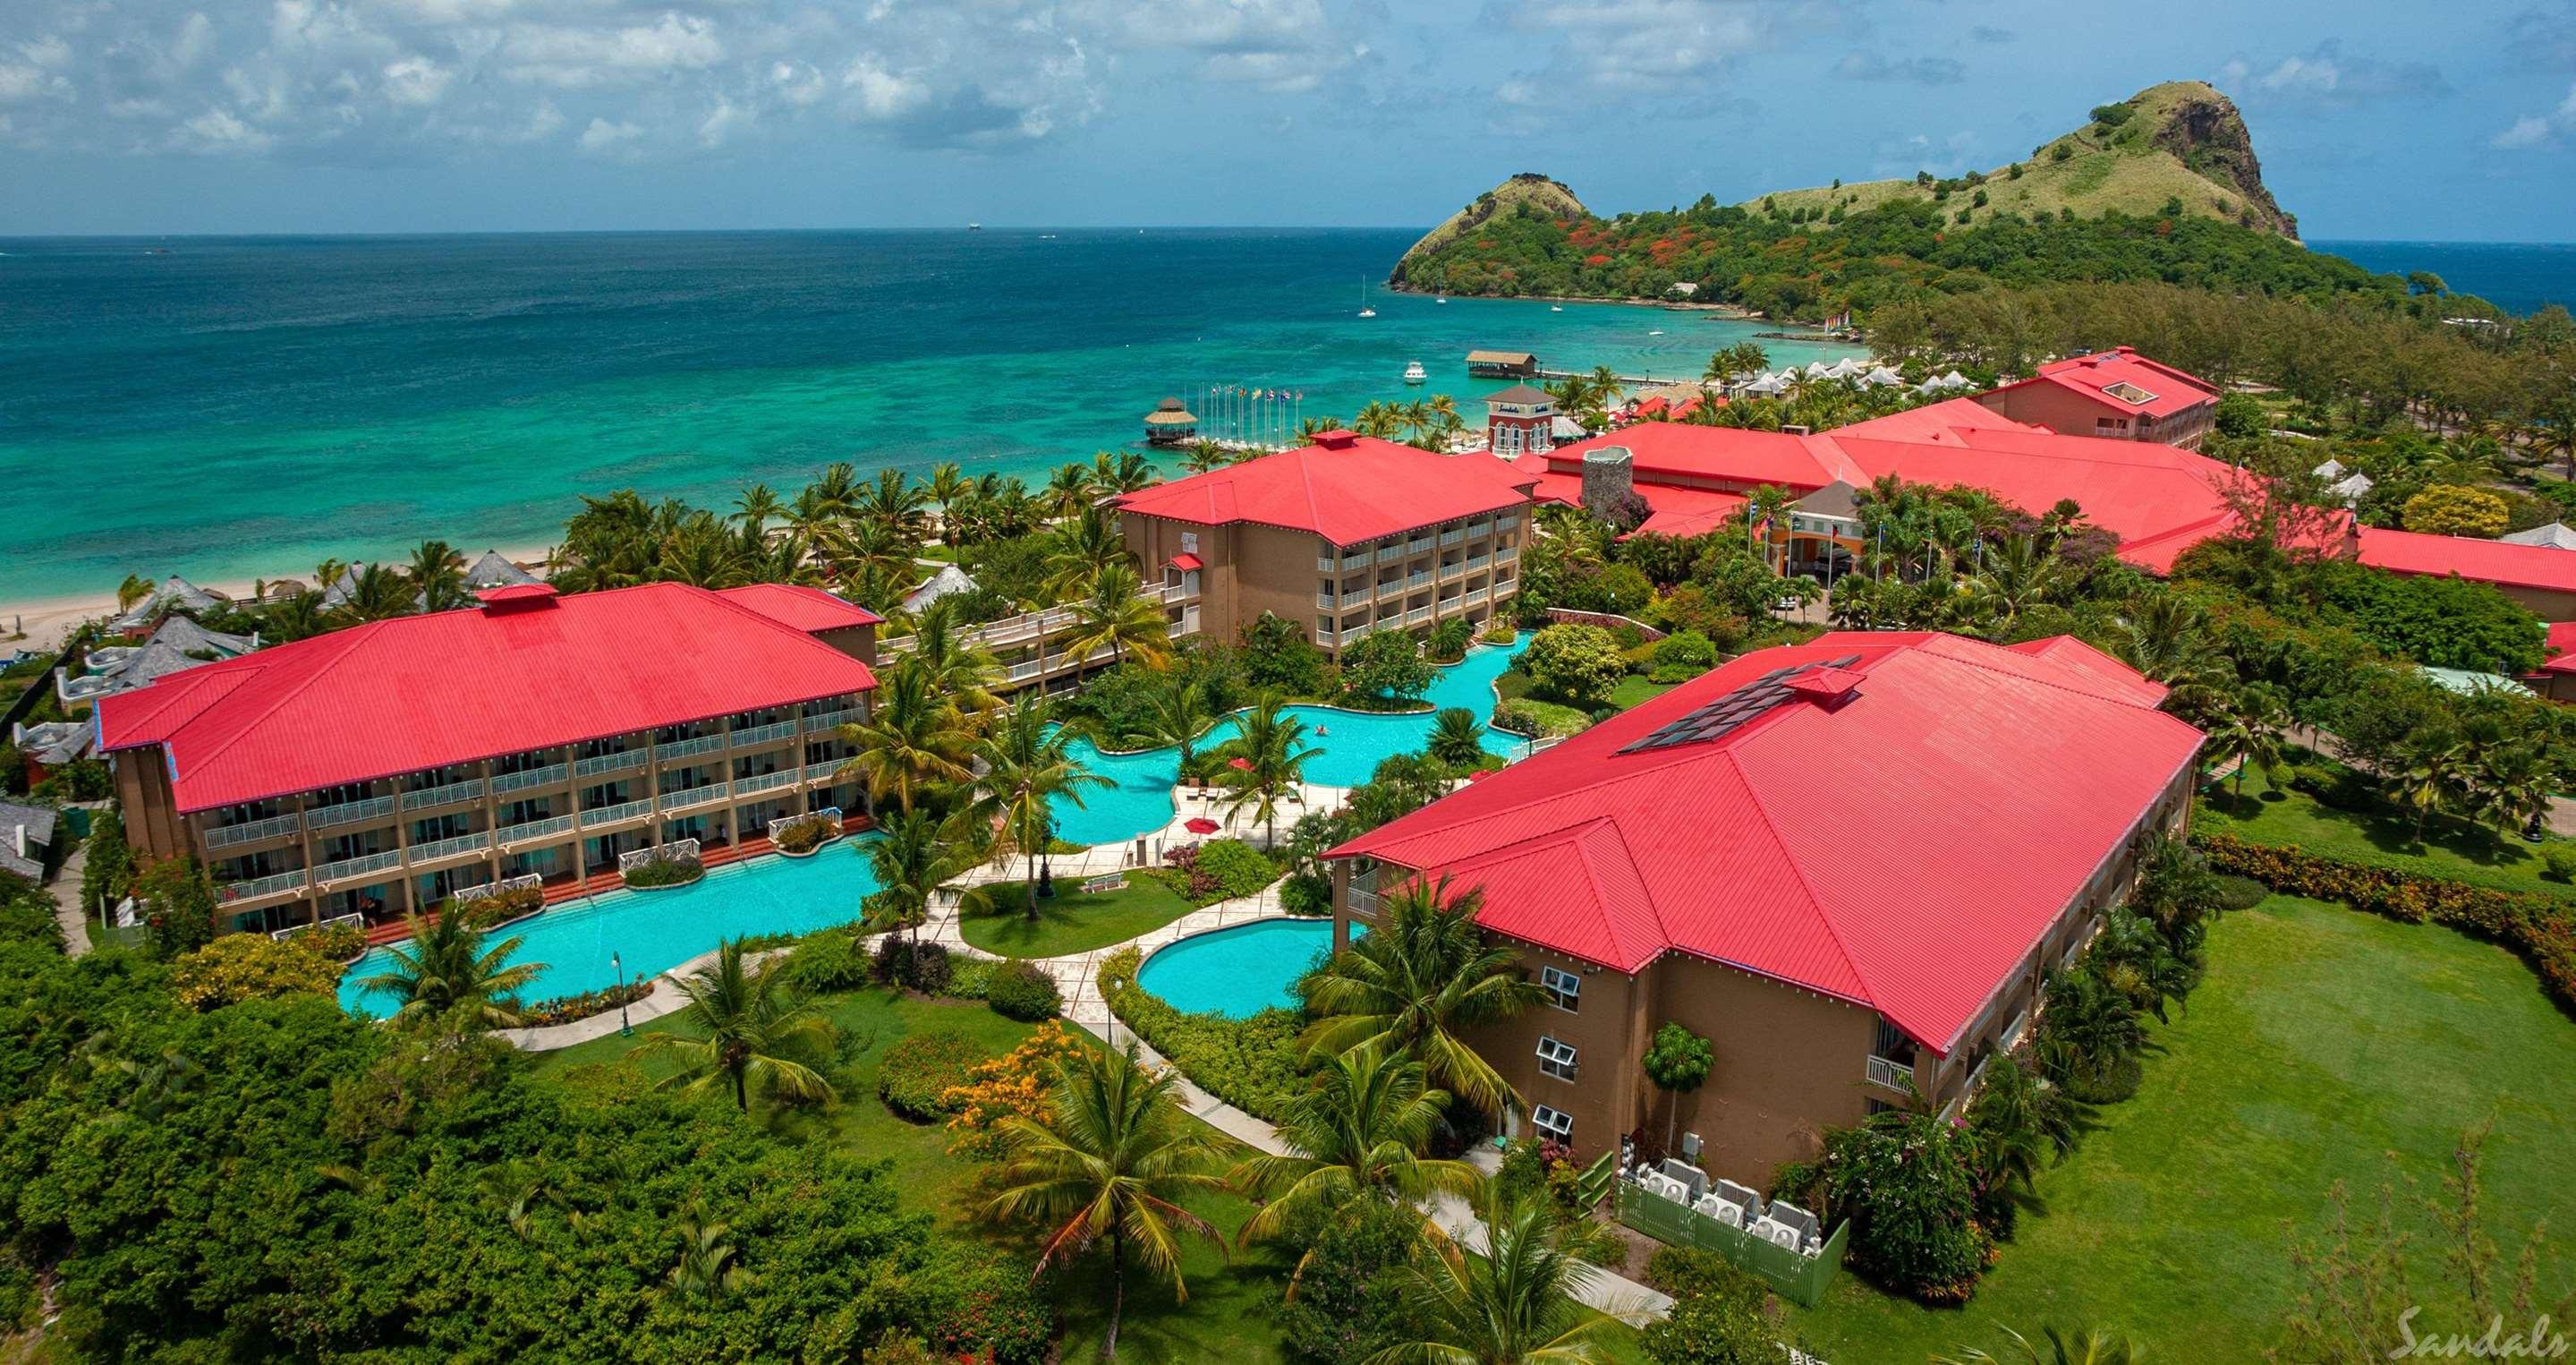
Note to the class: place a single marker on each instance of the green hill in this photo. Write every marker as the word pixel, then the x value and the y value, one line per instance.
pixel 2182 140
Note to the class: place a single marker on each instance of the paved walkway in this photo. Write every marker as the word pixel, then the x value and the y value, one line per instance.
pixel 67 907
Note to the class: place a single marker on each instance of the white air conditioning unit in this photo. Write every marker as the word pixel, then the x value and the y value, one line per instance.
pixel 1690 1146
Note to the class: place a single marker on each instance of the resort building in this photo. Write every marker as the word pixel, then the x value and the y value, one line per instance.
pixel 172 593
pixel 2116 394
pixel 1348 535
pixel 1502 364
pixel 385 767
pixel 1170 423
pixel 26 840
pixel 1847 864
pixel 2556 678
pixel 2541 577
pixel 176 645
pixel 1520 418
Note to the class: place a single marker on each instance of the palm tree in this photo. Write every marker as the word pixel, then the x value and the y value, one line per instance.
pixel 1021 768
pixel 380 593
pixel 1122 472
pixel 2016 574
pixel 293 618
pixel 1380 420
pixel 1514 1303
pixel 894 504
pixel 948 486
pixel 749 1018
pixel 837 489
pixel 1176 711
pixel 1080 548
pixel 1070 490
pixel 1275 754
pixel 813 516
pixel 707 1267
pixel 2091 1346
pixel 437 575
pixel 136 587
pixel 1417 984
pixel 702 553
pixel 1448 640
pixel 1115 1158
pixel 446 973
pixel 757 507
pixel 2248 731
pixel 912 863
pixel 911 738
pixel 1444 418
pixel 1457 738
pixel 1202 455
pixel 1118 616
pixel 1357 1131
pixel 958 666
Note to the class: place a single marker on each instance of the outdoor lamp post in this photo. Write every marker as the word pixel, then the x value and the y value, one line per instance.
pixel 617 966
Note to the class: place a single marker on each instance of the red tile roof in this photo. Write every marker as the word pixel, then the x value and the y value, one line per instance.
pixel 1351 489
pixel 2488 561
pixel 2093 376
pixel 2562 648
pixel 1678 511
pixel 1901 837
pixel 1683 450
pixel 418 692
pixel 807 609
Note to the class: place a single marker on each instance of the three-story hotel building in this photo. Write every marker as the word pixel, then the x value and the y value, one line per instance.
pixel 383 768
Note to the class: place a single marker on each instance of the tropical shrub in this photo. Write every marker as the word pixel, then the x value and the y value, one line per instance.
pixel 238 967
pixel 2244 893
pixel 1342 1312
pixel 2540 928
pixel 2455 510
pixel 970 977
pixel 1717 1316
pixel 1903 1179
pixel 663 872
pixel 1277 657
pixel 805 835
pixel 834 960
pixel 1457 739
pixel 1253 1064
pixel 2089 1035
pixel 970 1302
pixel 565 1009
pixel 502 906
pixel 178 903
pixel 1448 640
pixel 1688 648
pixel 340 943
pixel 1575 663
pixel 1500 633
pixel 1387 666
pixel 1023 991
pixel 923 967
pixel 1014 1085
pixel 1238 868
pixel 918 1074
pixel 1542 720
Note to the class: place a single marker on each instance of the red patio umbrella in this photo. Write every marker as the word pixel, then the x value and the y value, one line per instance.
pixel 1241 765
pixel 1200 824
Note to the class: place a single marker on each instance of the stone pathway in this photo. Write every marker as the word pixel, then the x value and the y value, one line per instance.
pixel 67 907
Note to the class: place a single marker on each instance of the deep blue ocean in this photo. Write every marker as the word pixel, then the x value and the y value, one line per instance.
pixel 231 407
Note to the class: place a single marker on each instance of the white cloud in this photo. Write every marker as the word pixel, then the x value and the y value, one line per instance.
pixel 218 131
pixel 723 122
pixel 2534 131
pixel 2525 132
pixel 603 138
pixel 2327 75
pixel 416 81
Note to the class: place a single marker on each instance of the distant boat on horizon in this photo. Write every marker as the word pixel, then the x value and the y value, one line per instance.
pixel 1365 310
pixel 1414 373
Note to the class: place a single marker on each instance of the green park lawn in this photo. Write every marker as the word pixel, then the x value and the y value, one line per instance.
pixel 2326 1047
pixel 2452 848
pixel 1634 690
pixel 1072 920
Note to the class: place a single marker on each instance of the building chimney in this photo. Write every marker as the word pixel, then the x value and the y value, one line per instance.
pixel 1609 475
pixel 1336 439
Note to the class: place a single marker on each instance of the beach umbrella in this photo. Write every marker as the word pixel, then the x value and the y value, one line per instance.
pixel 1241 765
pixel 1200 824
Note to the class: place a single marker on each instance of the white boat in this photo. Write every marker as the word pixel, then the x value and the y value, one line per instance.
pixel 1656 333
pixel 1556 308
pixel 1440 300
pixel 1365 310
pixel 1414 373
pixel 974 227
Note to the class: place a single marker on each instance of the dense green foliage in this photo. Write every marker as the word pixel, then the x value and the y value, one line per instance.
pixel 1253 1064
pixel 917 1074
pixel 1023 991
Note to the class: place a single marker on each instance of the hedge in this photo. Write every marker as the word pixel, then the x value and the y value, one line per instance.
pixel 2540 928
pixel 1023 991
pixel 1252 1064
pixel 1539 719
pixel 917 1074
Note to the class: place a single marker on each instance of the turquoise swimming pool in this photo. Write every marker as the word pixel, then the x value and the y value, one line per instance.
pixel 654 931
pixel 1351 746
pixel 1239 972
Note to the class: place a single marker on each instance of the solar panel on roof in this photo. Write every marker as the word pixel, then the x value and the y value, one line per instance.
pixel 1716 717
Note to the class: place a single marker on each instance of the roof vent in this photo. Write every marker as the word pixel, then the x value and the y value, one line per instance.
pixel 1828 686
pixel 1336 439
pixel 516 597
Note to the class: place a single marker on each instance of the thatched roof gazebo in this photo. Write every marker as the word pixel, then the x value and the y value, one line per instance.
pixel 1170 423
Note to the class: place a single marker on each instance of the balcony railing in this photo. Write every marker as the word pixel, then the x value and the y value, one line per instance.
pixel 610 763
pixel 609 815
pixel 831 720
pixel 447 795
pixel 546 776
pixel 1893 1075
pixel 1350 559
pixel 693 798
pixel 687 748
pixel 269 885
pixel 1452 536
pixel 448 848
pixel 1417 616
pixel 1419 545
pixel 1328 601
pixel 1507 554
pixel 251 831
pixel 1418 580
pixel 1456 568
pixel 764 734
pixel 1475 562
pixel 533 829
pixel 346 868
pixel 1475 595
pixel 1026 669
pixel 349 812
pixel 1388 554
pixel 824 772
pixel 745 786
pixel 1507 521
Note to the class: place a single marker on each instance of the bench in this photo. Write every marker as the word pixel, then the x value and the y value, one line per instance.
pixel 1115 881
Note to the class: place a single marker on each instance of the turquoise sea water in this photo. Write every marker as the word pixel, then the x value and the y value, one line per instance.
pixel 248 406
pixel 653 931
pixel 1238 972
pixel 1348 745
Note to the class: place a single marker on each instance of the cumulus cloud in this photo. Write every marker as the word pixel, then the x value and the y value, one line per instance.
pixel 1605 51
pixel 2544 38
pixel 2326 75
pixel 1870 66
pixel 2533 131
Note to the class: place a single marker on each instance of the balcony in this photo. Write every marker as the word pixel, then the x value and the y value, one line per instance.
pixel 693 798
pixel 825 772
pixel 610 763
pixel 764 734
pixel 252 831
pixel 448 848
pixel 1417 616
pixel 258 887
pixel 550 775
pixel 1347 560
pixel 1475 595
pixel 532 830
pixel 745 786
pixel 1891 1075
pixel 349 812
pixel 471 789
pixel 1418 580
pixel 1456 568
pixel 831 720
pixel 1026 669
pixel 360 866
pixel 687 748
pixel 610 815
pixel 1388 554
pixel 1507 521
pixel 1453 536
pixel 1419 545
pixel 1475 562
pixel 1507 554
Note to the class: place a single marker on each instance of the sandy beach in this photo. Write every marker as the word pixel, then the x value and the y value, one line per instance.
pixel 46 623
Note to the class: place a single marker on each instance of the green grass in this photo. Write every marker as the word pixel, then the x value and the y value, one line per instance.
pixel 2326 1046
pixel 1072 920
pixel 2451 849
pixel 1635 689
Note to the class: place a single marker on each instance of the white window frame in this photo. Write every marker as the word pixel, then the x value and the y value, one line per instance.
pixel 1558 1058
pixel 1553 1122
pixel 1562 987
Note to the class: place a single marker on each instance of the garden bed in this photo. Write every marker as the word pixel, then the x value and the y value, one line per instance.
pixel 1072 920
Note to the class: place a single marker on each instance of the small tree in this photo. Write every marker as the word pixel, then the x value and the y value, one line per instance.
pixel 2445 509
pixel 1678 1062
pixel 179 904
pixel 1578 663
pixel 109 872
pixel 1457 738
pixel 1387 665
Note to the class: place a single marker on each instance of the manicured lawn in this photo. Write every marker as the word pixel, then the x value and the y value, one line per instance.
pixel 2452 850
pixel 1073 920
pixel 1635 689
pixel 2326 1046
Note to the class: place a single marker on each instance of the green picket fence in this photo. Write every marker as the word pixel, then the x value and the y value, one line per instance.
pixel 1800 1279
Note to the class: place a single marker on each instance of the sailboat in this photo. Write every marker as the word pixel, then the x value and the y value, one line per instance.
pixel 1556 308
pixel 1442 299
pixel 1414 373
pixel 1365 310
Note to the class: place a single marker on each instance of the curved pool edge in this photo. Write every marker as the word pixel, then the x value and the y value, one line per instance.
pixel 1325 922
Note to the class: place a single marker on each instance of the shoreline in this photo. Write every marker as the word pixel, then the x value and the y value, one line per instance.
pixel 1725 312
pixel 47 622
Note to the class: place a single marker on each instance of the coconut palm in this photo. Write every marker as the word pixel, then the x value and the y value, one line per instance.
pixel 837 488
pixel 1069 490
pixel 1380 420
pixel 135 588
pixel 1122 472
pixel 1202 455
pixel 1080 548
pixel 380 593
pixel 445 972
pixel 437 576
pixel 782 558
pixel 1274 753
pixel 911 739
pixel 1448 640
pixel 757 507
pixel 912 864
pixel 1020 770
pixel 1457 738
pixel 947 486
pixel 812 515
pixel 1119 617
pixel 1444 417
pixel 737 1028
pixel 2016 575
pixel 959 667
pixel 708 1266
pixel 2090 1346
pixel 2248 731
pixel 293 618
pixel 1113 1160
pixel 858 548
pixel 1514 1303
pixel 1416 984
pixel 702 553
pixel 1357 1131
pixel 1176 711
pixel 895 505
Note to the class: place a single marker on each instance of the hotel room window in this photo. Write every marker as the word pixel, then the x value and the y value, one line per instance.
pixel 1556 1059
pixel 1564 989
pixel 1555 1123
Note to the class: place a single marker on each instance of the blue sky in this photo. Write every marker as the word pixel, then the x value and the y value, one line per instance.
pixel 2373 119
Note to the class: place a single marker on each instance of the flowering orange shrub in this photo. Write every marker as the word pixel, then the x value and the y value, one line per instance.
pixel 1016 1084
